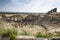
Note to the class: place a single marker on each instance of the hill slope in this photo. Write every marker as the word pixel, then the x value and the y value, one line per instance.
pixel 49 22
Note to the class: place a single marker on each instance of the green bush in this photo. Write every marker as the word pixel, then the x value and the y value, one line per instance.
pixel 58 34
pixel 38 34
pixel 12 33
pixel 44 35
pixel 1 32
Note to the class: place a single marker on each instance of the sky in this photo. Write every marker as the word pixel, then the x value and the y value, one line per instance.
pixel 29 5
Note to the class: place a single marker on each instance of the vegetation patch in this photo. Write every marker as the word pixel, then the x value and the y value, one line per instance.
pixel 12 33
pixel 43 35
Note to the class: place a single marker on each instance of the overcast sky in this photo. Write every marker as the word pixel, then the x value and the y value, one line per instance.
pixel 28 5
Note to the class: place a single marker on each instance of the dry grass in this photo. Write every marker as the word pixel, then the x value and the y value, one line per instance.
pixel 32 30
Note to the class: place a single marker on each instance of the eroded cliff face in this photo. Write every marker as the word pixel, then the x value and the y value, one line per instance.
pixel 50 21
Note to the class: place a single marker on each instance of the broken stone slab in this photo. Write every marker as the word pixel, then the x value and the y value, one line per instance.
pixel 24 37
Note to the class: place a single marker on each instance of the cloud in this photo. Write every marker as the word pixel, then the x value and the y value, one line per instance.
pixel 30 6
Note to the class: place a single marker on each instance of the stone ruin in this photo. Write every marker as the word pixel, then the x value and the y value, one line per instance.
pixel 53 10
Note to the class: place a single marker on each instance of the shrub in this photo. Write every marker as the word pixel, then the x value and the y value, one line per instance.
pixel 1 31
pixel 10 33
pixel 44 35
pixel 38 34
pixel 13 34
pixel 58 34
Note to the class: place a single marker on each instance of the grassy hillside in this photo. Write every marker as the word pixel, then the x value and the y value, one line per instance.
pixel 32 23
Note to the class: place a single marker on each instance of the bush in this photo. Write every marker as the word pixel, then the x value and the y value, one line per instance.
pixel 44 35
pixel 13 34
pixel 38 34
pixel 58 34
pixel 1 32
pixel 10 33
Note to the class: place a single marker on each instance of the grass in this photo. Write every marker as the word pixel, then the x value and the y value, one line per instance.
pixel 12 33
pixel 24 32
